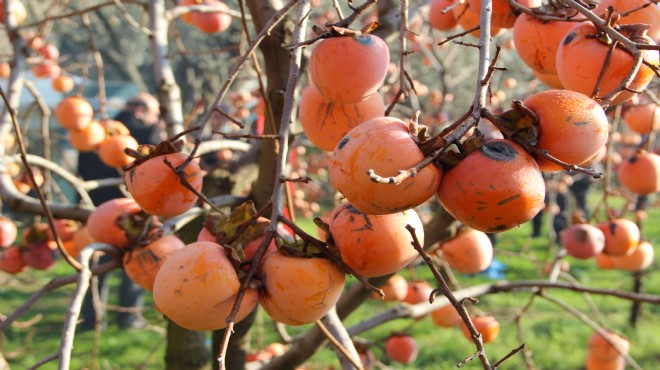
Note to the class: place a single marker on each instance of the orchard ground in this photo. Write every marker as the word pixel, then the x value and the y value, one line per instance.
pixel 557 339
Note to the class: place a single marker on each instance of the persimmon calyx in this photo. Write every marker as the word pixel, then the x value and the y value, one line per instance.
pixel 138 227
pixel 145 152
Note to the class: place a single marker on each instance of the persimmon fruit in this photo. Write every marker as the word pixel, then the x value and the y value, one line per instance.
pixel 634 12
pixel 580 58
pixel 102 222
pixel 468 19
pixel 365 58
pixel 5 70
pixel 494 188
pixel 112 153
pixel 89 138
pixel 384 145
pixel 640 258
pixel 8 232
pixel 604 262
pixel 446 316
pixel 159 190
pixel 621 236
pixel 74 113
pixel 601 349
pixel 592 363
pixel 374 245
pixel 572 127
pixel 142 263
pixel 469 252
pixel 395 289
pixel 401 348
pixel 298 290
pixel 439 20
pixel 642 118
pixel 418 292
pixel 487 326
pixel 503 16
pixel 325 122
pixel 196 288
pixel 537 42
pixel 640 173
pixel 63 84
pixel 583 241
pixel 212 22
pixel 11 260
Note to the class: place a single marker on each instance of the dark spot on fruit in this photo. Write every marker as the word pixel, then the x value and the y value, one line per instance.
pixel 343 142
pixel 364 40
pixel 568 38
pixel 507 200
pixel 569 118
pixel 581 123
pixel 458 184
pixel 498 228
pixel 481 208
pixel 500 151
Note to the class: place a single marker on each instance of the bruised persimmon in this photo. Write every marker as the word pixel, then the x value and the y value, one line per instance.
pixel 299 290
pixel 581 57
pixel 642 118
pixel 640 173
pixel 572 127
pixel 640 258
pixel 196 287
pixel 494 188
pixel 74 113
pixel 374 245
pixel 440 17
pixel 621 236
pixel 325 122
pixel 537 41
pixel 112 150
pixel 384 145
pixel 142 263
pixel 487 326
pixel 89 138
pixel 158 189
pixel 469 252
pixel 350 68
pixel 445 316
pixel 503 16
pixel 583 241
pixel 102 222
pixel 601 349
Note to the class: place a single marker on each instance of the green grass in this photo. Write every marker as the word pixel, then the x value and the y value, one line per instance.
pixel 556 339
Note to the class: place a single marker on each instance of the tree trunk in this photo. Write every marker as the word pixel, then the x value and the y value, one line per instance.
pixel 185 349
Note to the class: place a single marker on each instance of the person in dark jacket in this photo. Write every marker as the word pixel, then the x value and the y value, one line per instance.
pixel 141 117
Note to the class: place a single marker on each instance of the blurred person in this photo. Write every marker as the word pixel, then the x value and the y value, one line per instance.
pixel 141 116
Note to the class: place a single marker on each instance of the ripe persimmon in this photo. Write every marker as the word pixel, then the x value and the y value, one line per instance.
pixel 325 122
pixel 640 173
pixel 550 80
pixel 5 70
pixel 619 363
pixel 572 127
pixel 384 145
pixel 640 258
pixel 445 316
pixel 187 17
pixel 469 252
pixel 297 291
pixel 503 16
pixel 621 236
pixel 63 84
pixel 537 42
pixel 81 239
pixel 39 256
pixel 418 292
pixel 374 245
pixel 8 232
pixel 350 68
pixel 487 326
pixel 583 240
pixel 196 288
pixel 11 260
pixel 212 22
pixel 581 56
pixel 634 12
pixel 439 18
pixel 102 222
pixel 74 113
pixel 159 190
pixel 142 263
pixel 601 349
pixel 604 262
pixel 394 289
pixel 642 118
pixel 89 138
pixel 468 19
pixel 112 150
pixel 401 348
pixel 494 188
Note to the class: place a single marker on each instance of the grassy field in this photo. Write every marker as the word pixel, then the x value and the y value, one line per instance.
pixel 556 339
